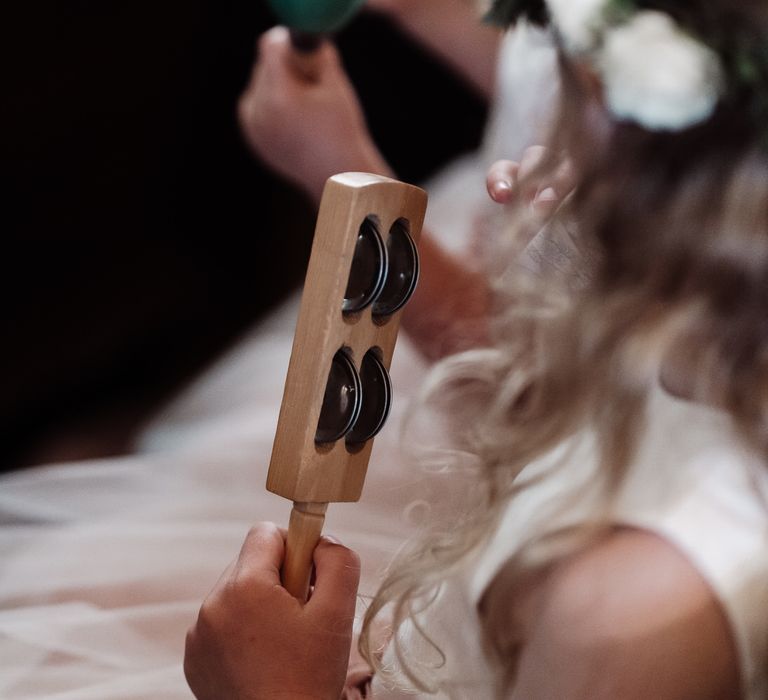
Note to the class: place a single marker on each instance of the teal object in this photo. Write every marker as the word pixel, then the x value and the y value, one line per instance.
pixel 315 16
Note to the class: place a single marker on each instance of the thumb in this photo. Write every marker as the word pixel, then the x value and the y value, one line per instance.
pixel 274 47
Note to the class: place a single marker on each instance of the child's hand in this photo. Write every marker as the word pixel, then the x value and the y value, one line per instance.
pixel 305 130
pixel 504 175
pixel 253 640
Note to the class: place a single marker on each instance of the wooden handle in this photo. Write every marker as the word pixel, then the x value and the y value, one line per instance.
pixel 304 54
pixel 304 530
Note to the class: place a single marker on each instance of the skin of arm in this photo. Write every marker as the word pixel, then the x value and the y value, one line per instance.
pixel 630 618
pixel 454 32
pixel 287 121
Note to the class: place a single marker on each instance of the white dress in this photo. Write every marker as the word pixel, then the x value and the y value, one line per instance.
pixel 691 482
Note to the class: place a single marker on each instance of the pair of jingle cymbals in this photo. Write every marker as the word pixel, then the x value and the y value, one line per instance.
pixel 356 404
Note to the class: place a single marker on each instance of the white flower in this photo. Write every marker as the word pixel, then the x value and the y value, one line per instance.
pixel 658 76
pixel 578 22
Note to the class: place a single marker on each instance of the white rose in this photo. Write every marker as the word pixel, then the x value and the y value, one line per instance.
pixel 578 22
pixel 658 76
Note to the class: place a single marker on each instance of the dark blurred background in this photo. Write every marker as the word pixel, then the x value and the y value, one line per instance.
pixel 141 236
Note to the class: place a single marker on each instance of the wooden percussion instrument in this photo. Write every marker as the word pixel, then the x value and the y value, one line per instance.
pixel 362 270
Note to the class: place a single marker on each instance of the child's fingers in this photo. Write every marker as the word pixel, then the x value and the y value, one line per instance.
pixel 328 58
pixel 507 180
pixel 504 175
pixel 276 58
pixel 261 555
pixel 269 60
pixel 549 197
pixel 546 201
pixel 565 179
pixel 532 158
pixel 501 180
pixel 337 575
pixel 273 45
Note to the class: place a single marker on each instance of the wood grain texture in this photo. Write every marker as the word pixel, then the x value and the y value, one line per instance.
pixel 300 469
pixel 304 528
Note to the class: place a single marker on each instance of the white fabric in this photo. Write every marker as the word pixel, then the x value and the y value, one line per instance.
pixel 691 483
pixel 104 564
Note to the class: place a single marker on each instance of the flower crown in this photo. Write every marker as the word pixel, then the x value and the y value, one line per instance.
pixel 663 72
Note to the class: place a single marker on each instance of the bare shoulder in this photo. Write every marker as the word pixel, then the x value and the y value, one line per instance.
pixel 630 617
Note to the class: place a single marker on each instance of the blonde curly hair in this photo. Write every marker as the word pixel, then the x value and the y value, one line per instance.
pixel 679 223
